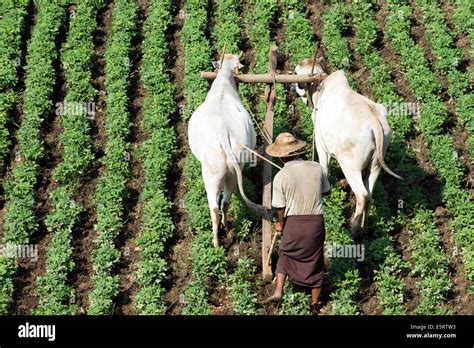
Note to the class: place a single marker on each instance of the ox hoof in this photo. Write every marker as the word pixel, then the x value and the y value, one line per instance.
pixel 225 224
pixel 356 231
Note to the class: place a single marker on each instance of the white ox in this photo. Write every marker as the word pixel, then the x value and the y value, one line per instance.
pixel 350 128
pixel 216 132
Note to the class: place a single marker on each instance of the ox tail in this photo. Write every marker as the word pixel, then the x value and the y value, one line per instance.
pixel 224 140
pixel 379 138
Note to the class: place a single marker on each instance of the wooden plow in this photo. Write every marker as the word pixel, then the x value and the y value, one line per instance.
pixel 270 78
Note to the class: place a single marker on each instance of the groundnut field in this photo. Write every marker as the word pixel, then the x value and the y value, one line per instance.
pixel 103 197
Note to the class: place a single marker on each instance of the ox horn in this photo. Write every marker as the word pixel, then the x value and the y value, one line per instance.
pixel 223 54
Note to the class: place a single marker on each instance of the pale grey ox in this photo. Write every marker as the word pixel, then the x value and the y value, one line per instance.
pixel 216 132
pixel 350 128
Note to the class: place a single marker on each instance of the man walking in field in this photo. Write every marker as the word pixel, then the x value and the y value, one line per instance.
pixel 297 196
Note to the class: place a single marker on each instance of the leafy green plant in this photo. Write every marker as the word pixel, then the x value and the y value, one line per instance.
pixel 244 298
pixel 197 55
pixel 462 16
pixel 294 302
pixel 197 51
pixel 111 186
pixel 195 298
pixel 441 149
pixel 337 48
pixel 11 28
pixel 447 61
pixel 19 220
pixel 430 262
pixel 207 260
pixel 55 295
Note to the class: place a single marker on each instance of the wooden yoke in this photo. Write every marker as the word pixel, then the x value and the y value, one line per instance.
pixel 268 78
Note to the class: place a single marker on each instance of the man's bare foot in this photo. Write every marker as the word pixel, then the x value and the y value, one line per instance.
pixel 315 308
pixel 273 298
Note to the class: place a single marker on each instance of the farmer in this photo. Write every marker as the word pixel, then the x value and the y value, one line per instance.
pixel 297 191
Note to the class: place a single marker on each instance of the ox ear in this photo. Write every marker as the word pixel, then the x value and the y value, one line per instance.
pixel 216 64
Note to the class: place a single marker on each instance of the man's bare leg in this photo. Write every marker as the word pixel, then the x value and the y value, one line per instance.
pixel 315 292
pixel 280 282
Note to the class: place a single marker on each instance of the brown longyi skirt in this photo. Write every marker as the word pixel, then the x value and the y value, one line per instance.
pixel 301 252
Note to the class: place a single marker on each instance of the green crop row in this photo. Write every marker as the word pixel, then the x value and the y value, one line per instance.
pixel 463 16
pixel 389 285
pixel 386 261
pixel 7 5
pixel 11 29
pixel 337 48
pixel 157 156
pixel 343 272
pixel 422 80
pixel 382 256
pixel 258 16
pixel 447 61
pixel 441 40
pixel 283 120
pixel 54 294
pixel 228 27
pixel 19 219
pixel 111 185
pixel 244 298
pixel 429 262
pixel 197 51
pixel 298 44
pixel 228 30
pixel 433 114
pixel 205 259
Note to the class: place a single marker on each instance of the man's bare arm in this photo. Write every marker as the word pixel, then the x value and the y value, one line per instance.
pixel 280 219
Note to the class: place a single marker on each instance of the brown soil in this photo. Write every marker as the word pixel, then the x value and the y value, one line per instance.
pixel 16 113
pixel 84 231
pixel 460 140
pixel 361 73
pixel 459 136
pixel 24 282
pixel 402 244
pixel 180 244
pixel 314 12
pixel 133 206
pixel 458 298
pixel 462 39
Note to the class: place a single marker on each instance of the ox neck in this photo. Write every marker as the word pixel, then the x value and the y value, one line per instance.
pixel 225 74
pixel 225 78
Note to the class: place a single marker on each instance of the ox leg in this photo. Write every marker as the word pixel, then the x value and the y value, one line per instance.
pixel 354 178
pixel 230 183
pixel 212 185
pixel 323 157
